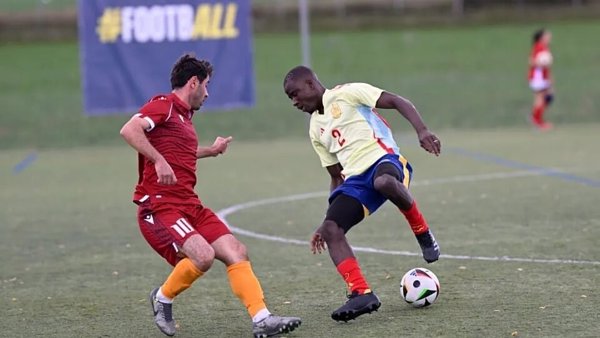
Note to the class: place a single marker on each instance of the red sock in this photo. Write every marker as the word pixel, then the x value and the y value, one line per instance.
pixel 352 275
pixel 538 114
pixel 415 219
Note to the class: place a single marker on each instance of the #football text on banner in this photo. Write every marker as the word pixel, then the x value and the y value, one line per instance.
pixel 127 49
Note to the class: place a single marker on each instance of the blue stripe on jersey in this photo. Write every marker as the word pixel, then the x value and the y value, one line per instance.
pixel 380 128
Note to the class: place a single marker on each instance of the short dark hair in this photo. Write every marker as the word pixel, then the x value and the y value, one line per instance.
pixel 298 72
pixel 188 66
pixel 538 35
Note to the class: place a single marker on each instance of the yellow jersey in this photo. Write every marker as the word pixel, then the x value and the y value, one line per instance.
pixel 350 131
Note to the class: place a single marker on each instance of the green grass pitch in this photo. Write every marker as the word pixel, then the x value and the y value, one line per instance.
pixel 76 266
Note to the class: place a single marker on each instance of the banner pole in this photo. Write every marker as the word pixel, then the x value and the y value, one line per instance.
pixel 304 31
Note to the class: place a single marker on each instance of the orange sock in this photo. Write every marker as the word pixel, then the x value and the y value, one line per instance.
pixel 415 219
pixel 181 278
pixel 246 287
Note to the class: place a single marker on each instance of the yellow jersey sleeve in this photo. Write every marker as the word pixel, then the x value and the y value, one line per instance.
pixel 360 94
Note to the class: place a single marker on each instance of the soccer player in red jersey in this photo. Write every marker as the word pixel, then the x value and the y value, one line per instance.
pixel 171 217
pixel 540 79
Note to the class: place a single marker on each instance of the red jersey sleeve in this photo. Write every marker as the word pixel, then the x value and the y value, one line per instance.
pixel 156 111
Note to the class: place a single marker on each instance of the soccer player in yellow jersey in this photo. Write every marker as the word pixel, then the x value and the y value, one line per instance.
pixel 356 146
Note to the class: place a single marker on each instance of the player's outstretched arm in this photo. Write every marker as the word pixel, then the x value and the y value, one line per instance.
pixel 427 139
pixel 133 131
pixel 219 147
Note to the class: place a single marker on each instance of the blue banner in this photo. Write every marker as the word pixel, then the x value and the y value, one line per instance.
pixel 128 47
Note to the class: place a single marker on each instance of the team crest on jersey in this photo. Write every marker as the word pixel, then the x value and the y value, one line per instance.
pixel 336 111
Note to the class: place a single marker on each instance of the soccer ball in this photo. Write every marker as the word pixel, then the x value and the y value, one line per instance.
pixel 420 287
pixel 544 59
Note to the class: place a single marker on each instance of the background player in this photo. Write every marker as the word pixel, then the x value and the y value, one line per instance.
pixel 356 146
pixel 170 214
pixel 540 79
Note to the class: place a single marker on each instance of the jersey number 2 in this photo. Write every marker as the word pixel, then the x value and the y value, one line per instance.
pixel 338 136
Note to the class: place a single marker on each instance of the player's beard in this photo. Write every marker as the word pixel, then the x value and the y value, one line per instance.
pixel 197 103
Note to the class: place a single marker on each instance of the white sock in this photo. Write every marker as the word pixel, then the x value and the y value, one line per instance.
pixel 162 298
pixel 262 314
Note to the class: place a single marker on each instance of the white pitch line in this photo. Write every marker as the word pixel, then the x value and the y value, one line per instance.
pixel 463 178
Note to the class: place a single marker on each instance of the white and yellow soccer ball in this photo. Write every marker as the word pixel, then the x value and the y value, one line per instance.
pixel 420 287
pixel 544 58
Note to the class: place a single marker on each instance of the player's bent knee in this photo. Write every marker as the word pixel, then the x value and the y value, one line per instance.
pixel 204 259
pixel 384 183
pixel 388 185
pixel 240 250
pixel 229 250
pixel 202 262
pixel 200 252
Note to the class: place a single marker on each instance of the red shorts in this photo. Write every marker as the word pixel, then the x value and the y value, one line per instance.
pixel 167 226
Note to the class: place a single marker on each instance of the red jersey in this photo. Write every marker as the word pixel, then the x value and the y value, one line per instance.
pixel 173 135
pixel 545 71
